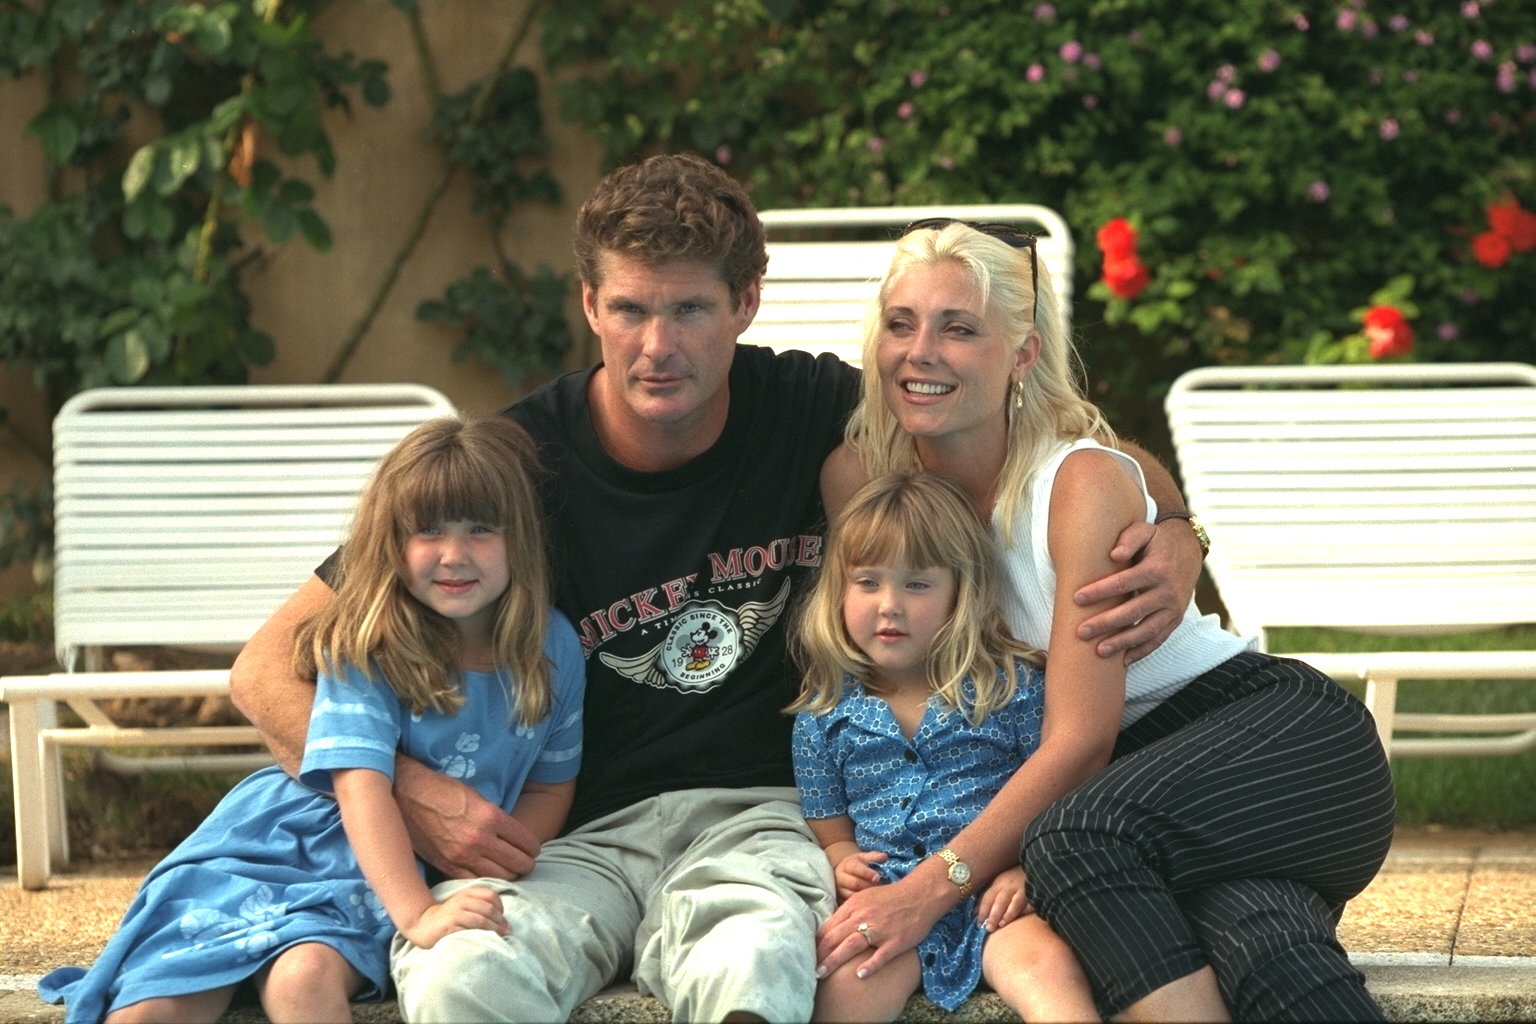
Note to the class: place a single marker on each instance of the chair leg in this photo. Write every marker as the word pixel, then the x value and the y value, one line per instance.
pixel 1381 701
pixel 31 795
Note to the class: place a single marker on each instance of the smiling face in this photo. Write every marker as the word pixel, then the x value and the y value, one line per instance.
pixel 459 570
pixel 946 362
pixel 668 333
pixel 893 613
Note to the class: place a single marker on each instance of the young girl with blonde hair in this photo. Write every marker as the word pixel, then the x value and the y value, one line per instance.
pixel 441 645
pixel 916 707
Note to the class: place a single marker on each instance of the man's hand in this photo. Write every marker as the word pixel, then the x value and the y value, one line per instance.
pixel 1163 567
pixel 458 831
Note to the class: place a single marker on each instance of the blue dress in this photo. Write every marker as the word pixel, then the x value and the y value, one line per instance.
pixel 271 866
pixel 908 798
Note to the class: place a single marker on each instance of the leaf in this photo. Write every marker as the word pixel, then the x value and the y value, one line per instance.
pixel 127 358
pixel 140 169
pixel 58 131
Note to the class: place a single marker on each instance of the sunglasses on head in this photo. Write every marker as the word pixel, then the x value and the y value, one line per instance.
pixel 1005 233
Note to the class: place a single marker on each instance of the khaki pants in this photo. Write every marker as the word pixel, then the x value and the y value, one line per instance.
pixel 712 897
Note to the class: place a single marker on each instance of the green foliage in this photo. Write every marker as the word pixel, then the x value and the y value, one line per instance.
pixel 1282 161
pixel 130 274
pixel 515 323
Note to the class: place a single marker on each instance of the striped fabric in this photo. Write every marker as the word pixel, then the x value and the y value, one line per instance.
pixel 1231 827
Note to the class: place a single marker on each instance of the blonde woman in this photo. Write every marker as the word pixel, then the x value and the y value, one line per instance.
pixel 441 645
pixel 1195 822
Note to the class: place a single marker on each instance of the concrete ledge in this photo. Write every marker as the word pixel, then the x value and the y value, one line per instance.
pixel 1499 992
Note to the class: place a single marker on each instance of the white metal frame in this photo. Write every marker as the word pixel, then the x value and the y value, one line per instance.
pixel 1394 498
pixel 818 287
pixel 183 517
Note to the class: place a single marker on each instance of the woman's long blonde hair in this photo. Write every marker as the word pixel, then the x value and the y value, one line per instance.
pixel 921 520
pixel 1053 405
pixel 481 470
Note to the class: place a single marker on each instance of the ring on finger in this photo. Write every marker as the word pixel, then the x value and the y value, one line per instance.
pixel 863 929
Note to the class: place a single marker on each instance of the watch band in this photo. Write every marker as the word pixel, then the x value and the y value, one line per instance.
pixel 1194 524
pixel 959 871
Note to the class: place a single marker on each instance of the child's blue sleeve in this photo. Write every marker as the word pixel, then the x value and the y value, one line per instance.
pixel 816 768
pixel 560 759
pixel 354 723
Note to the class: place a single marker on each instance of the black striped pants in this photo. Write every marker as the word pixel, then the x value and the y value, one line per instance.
pixel 1230 828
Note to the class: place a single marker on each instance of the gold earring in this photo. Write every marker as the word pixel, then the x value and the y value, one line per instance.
pixel 1018 394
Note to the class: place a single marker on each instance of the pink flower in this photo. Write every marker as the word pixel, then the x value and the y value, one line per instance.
pixel 1234 98
pixel 1470 9
pixel 1388 332
pixel 1398 23
pixel 1092 61
pixel 1506 77
pixel 1389 129
pixel 1090 101
pixel 876 144
pixel 1172 136
pixel 1525 53
pixel 1452 116
pixel 1447 331
pixel 947 162
pixel 1269 60
pixel 1345 20
pixel 723 155
pixel 1424 37
pixel 917 79
pixel 1034 73
pixel 1071 51
pixel 905 111
pixel 1045 12
pixel 1301 23
pixel 1216 90
pixel 1319 191
pixel 1481 49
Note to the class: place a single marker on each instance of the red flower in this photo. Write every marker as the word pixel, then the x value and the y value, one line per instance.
pixel 1126 277
pixel 1513 223
pixel 1491 249
pixel 1388 332
pixel 1117 239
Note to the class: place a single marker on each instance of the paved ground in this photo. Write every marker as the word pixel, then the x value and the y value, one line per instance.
pixel 1447 932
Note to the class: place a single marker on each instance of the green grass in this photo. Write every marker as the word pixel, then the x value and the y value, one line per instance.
pixel 1475 792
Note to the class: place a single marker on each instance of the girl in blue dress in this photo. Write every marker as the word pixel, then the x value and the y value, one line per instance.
pixel 441 644
pixel 916 707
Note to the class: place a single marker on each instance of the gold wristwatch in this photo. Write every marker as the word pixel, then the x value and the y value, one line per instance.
pixel 959 871
pixel 1194 524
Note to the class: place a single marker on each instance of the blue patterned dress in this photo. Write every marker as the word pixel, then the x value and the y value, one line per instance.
pixel 908 798
pixel 271 866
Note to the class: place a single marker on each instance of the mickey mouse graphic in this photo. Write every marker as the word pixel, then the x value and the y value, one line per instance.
pixel 699 656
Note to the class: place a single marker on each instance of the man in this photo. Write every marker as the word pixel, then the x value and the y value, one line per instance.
pixel 684 514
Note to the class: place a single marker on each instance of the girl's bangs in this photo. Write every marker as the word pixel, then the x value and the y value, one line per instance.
pixel 892 533
pixel 445 490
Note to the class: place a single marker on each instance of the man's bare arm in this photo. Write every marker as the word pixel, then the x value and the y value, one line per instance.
pixel 263 684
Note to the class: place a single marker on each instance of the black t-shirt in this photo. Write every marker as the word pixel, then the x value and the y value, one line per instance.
pixel 680 583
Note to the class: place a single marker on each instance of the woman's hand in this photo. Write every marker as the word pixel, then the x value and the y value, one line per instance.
pixel 898 916
pixel 1003 901
pixel 854 874
pixel 472 907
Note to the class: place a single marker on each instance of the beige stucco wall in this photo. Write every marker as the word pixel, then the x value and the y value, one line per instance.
pixel 385 173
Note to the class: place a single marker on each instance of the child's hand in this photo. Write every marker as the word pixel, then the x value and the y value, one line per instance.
pixel 1003 901
pixel 854 873
pixel 473 907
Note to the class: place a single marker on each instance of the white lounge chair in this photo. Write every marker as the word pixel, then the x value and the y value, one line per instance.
pixel 183 517
pixel 1392 498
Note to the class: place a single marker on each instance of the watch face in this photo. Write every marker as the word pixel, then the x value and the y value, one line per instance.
pixel 960 873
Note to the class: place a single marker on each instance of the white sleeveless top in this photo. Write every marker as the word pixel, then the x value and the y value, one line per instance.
pixel 1198 643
